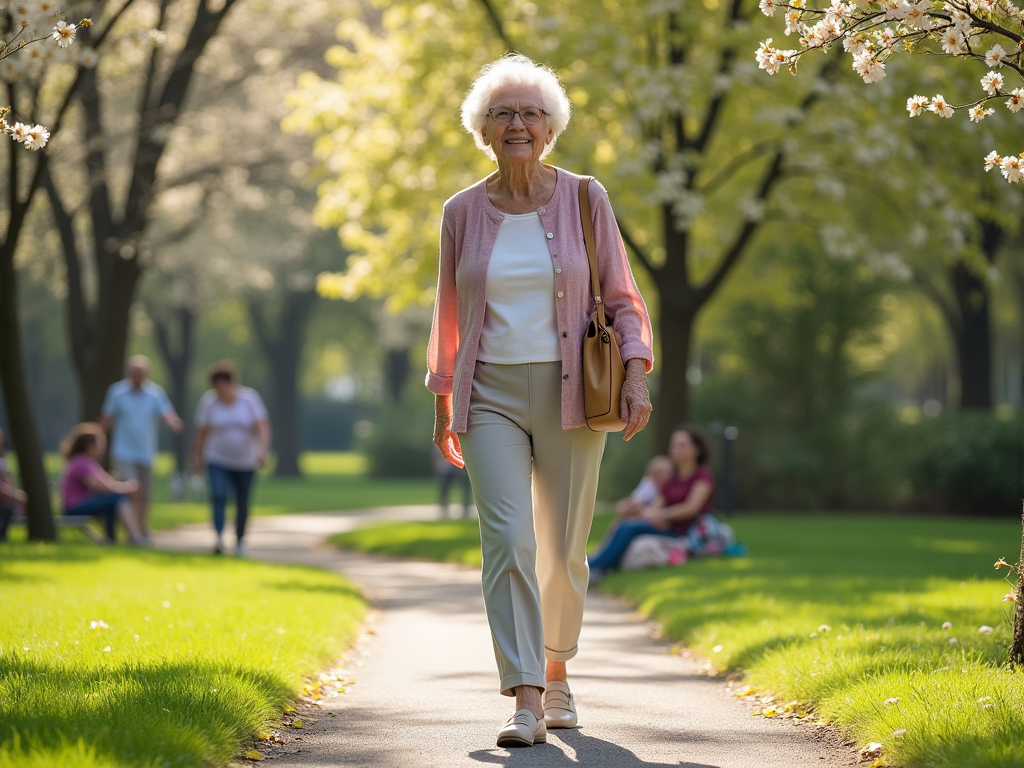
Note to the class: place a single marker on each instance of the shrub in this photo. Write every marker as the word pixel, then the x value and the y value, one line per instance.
pixel 399 443
pixel 970 462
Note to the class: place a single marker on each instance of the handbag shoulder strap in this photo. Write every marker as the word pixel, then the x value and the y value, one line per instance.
pixel 588 238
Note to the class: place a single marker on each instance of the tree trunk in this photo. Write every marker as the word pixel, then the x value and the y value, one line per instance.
pixel 16 391
pixel 396 372
pixel 973 339
pixel 178 359
pixel 675 327
pixel 283 352
pixel 1017 645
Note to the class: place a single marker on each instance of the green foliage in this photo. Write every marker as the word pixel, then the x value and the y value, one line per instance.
pixel 447 541
pixel 198 653
pixel 792 379
pixel 400 442
pixel 623 464
pixel 970 462
pixel 839 614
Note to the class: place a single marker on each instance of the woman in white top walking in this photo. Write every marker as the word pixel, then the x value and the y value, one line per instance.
pixel 232 440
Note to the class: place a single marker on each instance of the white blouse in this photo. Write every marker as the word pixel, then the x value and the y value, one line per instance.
pixel 519 321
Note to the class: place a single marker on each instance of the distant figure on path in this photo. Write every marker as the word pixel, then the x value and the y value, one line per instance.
pixel 448 475
pixel 232 440
pixel 505 362
pixel 87 489
pixel 686 495
pixel 132 412
pixel 11 499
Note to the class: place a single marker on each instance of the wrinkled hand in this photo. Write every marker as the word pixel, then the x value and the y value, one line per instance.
pixel 635 406
pixel 444 438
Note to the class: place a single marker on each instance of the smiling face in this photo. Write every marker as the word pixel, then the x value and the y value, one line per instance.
pixel 518 142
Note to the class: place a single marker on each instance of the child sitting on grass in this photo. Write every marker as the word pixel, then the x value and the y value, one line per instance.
pixel 86 489
pixel 659 471
pixel 10 497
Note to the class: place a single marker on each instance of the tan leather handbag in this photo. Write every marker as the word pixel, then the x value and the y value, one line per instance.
pixel 603 371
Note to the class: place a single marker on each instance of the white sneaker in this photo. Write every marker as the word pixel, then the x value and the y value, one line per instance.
pixel 523 729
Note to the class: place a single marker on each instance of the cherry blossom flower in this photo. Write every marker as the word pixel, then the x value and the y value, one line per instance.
pixel 917 16
pixel 767 7
pixel 19 132
pixel 916 105
pixel 952 41
pixel 994 56
pixel 37 137
pixel 992 82
pixel 940 107
pixel 64 33
pixel 870 70
pixel 1010 597
pixel 792 22
pixel 979 113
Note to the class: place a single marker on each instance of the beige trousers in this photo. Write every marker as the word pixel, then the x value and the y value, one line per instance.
pixel 535 486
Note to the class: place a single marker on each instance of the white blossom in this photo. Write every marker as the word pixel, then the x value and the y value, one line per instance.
pixel 979 113
pixel 994 56
pixel 870 70
pixel 1011 168
pixel 1016 100
pixel 917 17
pixel 940 107
pixel 19 132
pixel 854 45
pixel 895 10
pixel 767 7
pixel 916 105
pixel 64 34
pixel 992 160
pixel 792 22
pixel 992 83
pixel 960 20
pixel 952 41
pixel 37 137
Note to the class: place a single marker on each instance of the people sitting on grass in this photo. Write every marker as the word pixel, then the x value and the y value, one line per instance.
pixel 232 439
pixel 87 489
pixel 684 507
pixel 11 499
pixel 659 471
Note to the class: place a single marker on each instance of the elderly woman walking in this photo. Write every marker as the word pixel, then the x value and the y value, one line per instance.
pixel 505 363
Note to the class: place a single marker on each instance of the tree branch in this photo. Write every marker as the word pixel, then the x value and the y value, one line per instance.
pixel 498 24
pixel 640 254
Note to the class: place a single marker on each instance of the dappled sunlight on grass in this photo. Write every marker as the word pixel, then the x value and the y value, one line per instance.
pixel 154 658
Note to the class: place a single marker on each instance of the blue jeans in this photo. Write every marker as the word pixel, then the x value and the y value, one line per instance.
pixel 615 547
pixel 103 505
pixel 221 482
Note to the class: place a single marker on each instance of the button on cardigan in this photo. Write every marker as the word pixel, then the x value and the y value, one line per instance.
pixel 469 227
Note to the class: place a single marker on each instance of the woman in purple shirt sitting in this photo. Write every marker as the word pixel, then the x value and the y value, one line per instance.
pixel 687 495
pixel 86 489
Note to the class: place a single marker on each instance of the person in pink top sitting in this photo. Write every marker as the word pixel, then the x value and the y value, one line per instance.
pixel 87 489
pixel 685 496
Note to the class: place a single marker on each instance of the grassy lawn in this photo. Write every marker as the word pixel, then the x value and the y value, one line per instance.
pixel 841 614
pixel 332 481
pixel 194 654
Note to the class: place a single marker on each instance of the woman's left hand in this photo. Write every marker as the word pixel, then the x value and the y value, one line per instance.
pixel 656 517
pixel 635 406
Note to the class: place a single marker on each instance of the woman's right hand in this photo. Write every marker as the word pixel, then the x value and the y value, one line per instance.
pixel 446 440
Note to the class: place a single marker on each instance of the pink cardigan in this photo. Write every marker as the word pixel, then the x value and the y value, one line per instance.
pixel 469 227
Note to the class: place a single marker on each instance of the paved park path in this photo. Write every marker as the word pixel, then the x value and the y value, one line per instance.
pixel 425 693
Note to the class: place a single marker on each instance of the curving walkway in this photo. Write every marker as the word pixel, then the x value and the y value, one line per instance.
pixel 425 692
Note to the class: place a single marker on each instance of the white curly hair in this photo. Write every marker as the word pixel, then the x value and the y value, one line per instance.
pixel 515 69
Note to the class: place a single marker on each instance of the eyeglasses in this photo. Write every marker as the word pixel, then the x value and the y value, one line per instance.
pixel 504 115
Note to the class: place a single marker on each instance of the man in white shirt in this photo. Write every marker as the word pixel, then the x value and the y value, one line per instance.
pixel 132 410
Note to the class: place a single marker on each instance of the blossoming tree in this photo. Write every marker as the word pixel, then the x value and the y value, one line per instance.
pixel 694 151
pixel 985 32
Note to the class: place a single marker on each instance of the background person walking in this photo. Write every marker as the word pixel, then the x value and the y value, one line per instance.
pixel 132 411
pixel 232 440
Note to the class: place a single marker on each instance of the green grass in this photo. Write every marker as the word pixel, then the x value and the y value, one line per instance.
pixel 884 586
pixel 331 482
pixel 200 653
